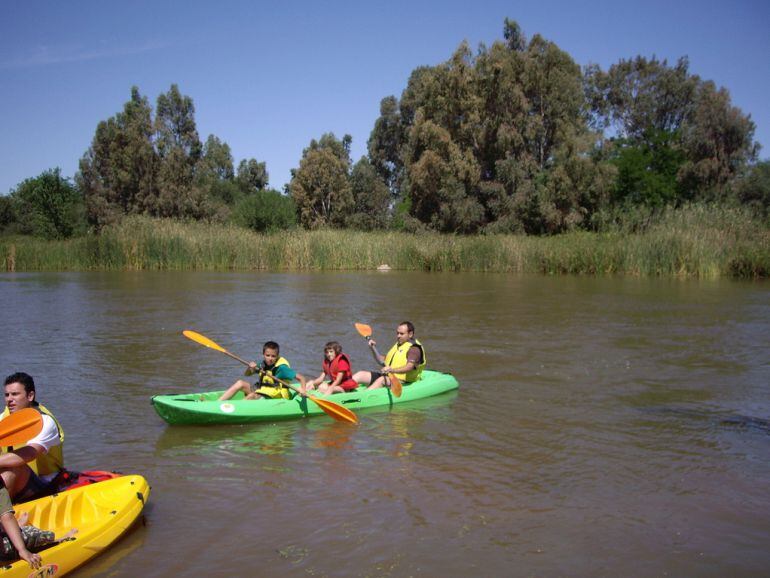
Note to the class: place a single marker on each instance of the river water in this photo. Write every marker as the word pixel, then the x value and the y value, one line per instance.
pixel 603 426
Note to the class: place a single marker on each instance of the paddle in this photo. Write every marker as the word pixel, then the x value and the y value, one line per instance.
pixel 331 408
pixel 20 427
pixel 366 332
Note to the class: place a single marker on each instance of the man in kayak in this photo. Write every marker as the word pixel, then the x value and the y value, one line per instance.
pixel 406 359
pixel 272 369
pixel 28 469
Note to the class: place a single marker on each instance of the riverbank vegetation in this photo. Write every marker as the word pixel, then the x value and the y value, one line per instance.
pixel 694 241
pixel 509 158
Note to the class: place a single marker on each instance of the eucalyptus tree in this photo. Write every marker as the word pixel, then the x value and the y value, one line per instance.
pixel 252 175
pixel 179 149
pixel 676 136
pixel 117 173
pixel 718 141
pixel 216 160
pixel 384 145
pixel 480 136
pixel 371 197
pixel 753 187
pixel 320 186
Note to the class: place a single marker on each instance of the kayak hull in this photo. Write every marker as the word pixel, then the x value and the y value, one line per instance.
pixel 101 512
pixel 206 409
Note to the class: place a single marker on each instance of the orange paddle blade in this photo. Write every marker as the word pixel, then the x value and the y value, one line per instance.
pixel 203 340
pixel 363 329
pixel 334 410
pixel 20 427
pixel 395 385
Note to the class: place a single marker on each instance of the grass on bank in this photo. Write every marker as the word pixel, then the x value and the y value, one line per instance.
pixel 697 241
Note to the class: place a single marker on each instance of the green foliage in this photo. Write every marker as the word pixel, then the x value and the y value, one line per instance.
pixel 642 97
pixel 252 175
pixel 718 140
pixel 647 171
pixel 48 206
pixel 753 188
pixel 7 213
pixel 117 173
pixel 384 143
pixel 706 241
pixel 670 122
pixel 265 211
pixel 320 186
pixel 492 142
pixel 371 197
pixel 216 162
pixel 140 165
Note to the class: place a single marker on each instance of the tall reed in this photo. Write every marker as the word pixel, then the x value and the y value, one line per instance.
pixel 695 241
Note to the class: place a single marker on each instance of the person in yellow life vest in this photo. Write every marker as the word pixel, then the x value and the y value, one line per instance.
pixel 272 366
pixel 28 469
pixel 406 360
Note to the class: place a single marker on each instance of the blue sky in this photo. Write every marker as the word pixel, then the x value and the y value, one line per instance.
pixel 266 77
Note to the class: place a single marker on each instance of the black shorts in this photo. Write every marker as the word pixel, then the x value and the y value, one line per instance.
pixel 33 489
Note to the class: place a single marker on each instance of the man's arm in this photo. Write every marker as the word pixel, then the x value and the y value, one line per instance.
pixel 21 456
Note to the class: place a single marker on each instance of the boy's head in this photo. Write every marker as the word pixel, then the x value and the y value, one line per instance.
pixel 271 351
pixel 332 350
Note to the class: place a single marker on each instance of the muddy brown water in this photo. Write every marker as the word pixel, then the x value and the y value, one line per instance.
pixel 603 426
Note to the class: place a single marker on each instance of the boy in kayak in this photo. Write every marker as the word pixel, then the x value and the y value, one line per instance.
pixel 336 374
pixel 406 359
pixel 271 369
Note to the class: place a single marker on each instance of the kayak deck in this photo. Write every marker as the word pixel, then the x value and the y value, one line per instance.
pixel 205 408
pixel 101 512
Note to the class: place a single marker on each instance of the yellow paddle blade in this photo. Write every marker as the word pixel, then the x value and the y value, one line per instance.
pixel 395 385
pixel 203 340
pixel 363 329
pixel 20 427
pixel 335 410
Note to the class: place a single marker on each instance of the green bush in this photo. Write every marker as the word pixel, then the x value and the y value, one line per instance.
pixel 265 212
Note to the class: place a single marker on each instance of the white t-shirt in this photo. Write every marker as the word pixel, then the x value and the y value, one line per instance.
pixel 48 436
pixel 47 439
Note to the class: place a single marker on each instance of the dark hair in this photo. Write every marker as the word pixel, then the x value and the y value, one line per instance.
pixel 23 378
pixel 409 325
pixel 271 345
pixel 335 346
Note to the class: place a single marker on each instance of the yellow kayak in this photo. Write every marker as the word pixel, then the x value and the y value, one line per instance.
pixel 101 512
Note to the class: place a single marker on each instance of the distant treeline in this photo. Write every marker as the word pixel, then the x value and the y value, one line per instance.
pixel 511 138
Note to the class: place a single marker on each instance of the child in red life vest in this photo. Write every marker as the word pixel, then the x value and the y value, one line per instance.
pixel 336 375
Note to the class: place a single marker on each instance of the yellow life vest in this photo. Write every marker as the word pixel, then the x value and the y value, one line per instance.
pixel 266 378
pixel 49 462
pixel 396 357
pixel 268 387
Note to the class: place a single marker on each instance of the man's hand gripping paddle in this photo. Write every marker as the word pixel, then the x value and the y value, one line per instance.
pixel 366 332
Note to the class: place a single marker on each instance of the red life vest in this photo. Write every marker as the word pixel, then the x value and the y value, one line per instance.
pixel 331 369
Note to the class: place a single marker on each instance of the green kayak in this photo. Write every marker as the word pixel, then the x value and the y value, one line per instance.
pixel 205 408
